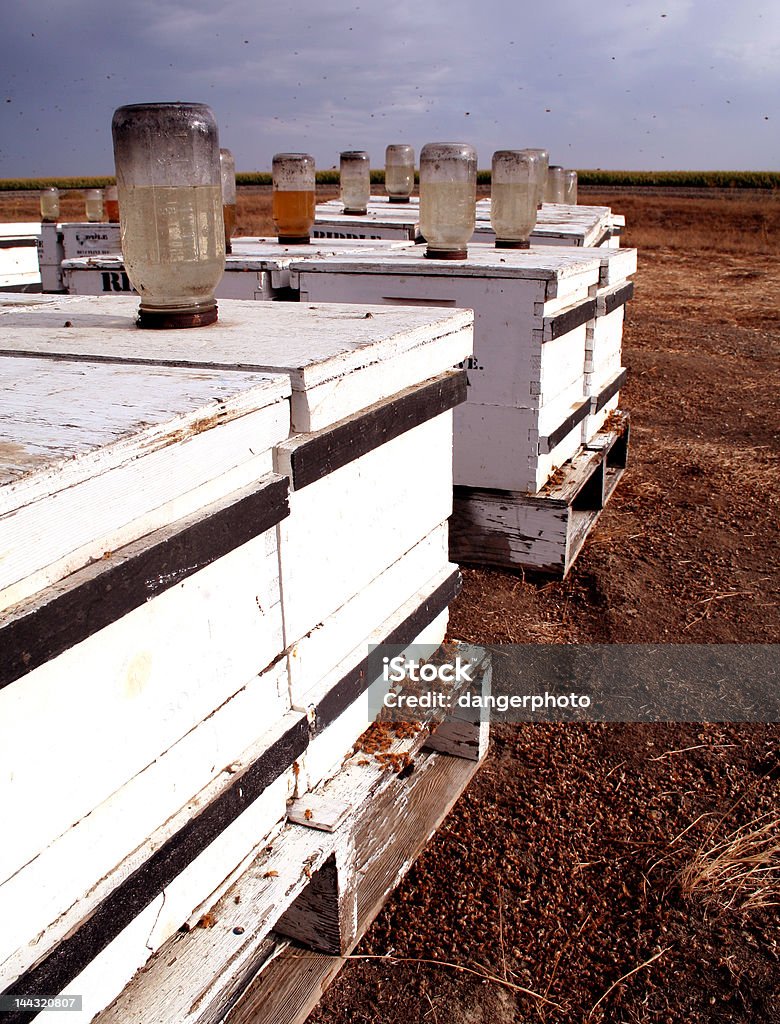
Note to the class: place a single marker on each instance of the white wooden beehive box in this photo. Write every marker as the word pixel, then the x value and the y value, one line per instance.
pixel 141 621
pixel 88 238
pixel 19 271
pixel 257 269
pixel 531 311
pixel 369 388
pixel 382 220
pixel 557 224
pixel 50 257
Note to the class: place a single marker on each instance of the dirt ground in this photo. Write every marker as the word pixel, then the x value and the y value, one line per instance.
pixel 562 868
pixel 582 863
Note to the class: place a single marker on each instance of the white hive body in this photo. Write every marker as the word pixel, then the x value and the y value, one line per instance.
pixel 196 612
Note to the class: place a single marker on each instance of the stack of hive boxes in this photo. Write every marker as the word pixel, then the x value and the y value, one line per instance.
pixel 526 394
pixel 188 640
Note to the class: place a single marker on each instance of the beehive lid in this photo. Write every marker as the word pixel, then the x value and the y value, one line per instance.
pixel 543 263
pixel 391 216
pixel 318 347
pixel 95 454
pixel 585 225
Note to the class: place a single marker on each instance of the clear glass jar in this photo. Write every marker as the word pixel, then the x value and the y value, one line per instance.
pixel 170 201
pixel 544 163
pixel 399 173
pixel 50 205
pixel 554 191
pixel 227 174
pixel 294 192
pixel 570 187
pixel 93 202
pixel 111 204
pixel 513 185
pixel 355 179
pixel 448 195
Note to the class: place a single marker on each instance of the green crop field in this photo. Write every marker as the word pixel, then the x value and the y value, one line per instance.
pixel 635 179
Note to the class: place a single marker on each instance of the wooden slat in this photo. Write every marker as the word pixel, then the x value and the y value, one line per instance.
pixel 43 627
pixel 313 456
pixel 291 984
pixel 57 970
pixel 562 323
pixel 618 297
pixel 549 443
pixel 609 391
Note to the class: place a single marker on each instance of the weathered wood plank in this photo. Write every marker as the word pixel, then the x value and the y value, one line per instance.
pixel 309 457
pixel 328 554
pixel 40 902
pixel 41 628
pixel 320 348
pixel 55 972
pixel 543 532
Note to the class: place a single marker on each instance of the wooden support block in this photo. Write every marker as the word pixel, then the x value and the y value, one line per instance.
pixel 324 916
pixel 234 971
pixel 541 533
pixel 317 811
pixel 465 732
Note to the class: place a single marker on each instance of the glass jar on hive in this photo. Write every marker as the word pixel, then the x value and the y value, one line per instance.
pixel 227 174
pixel 543 158
pixel 293 198
pixel 50 205
pixel 399 173
pixel 513 195
pixel 448 195
pixel 355 181
pixel 170 202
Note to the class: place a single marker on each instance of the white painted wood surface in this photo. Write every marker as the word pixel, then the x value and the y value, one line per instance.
pixel 114 452
pixel 348 527
pixel 556 224
pixel 107 707
pixel 517 363
pixel 85 238
pixel 511 365
pixel 40 902
pixel 313 345
pixel 327 752
pixel 500 446
pixel 257 269
pixel 316 654
pixel 110 971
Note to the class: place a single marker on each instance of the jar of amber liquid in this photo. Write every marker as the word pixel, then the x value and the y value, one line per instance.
pixel 293 197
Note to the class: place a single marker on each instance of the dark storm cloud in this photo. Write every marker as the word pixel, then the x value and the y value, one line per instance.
pixel 683 83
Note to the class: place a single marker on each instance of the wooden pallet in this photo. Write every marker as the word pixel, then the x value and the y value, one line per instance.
pixel 269 946
pixel 542 533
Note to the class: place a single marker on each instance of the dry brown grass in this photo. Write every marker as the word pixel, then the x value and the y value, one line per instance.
pixel 750 225
pixel 740 872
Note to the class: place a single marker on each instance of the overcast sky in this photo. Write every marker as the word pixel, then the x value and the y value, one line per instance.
pixel 647 84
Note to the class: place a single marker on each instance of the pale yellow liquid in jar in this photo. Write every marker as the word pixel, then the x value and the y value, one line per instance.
pixel 399 181
pixel 94 208
pixel 293 212
pixel 512 210
pixel 447 213
pixel 355 193
pixel 50 208
pixel 173 241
